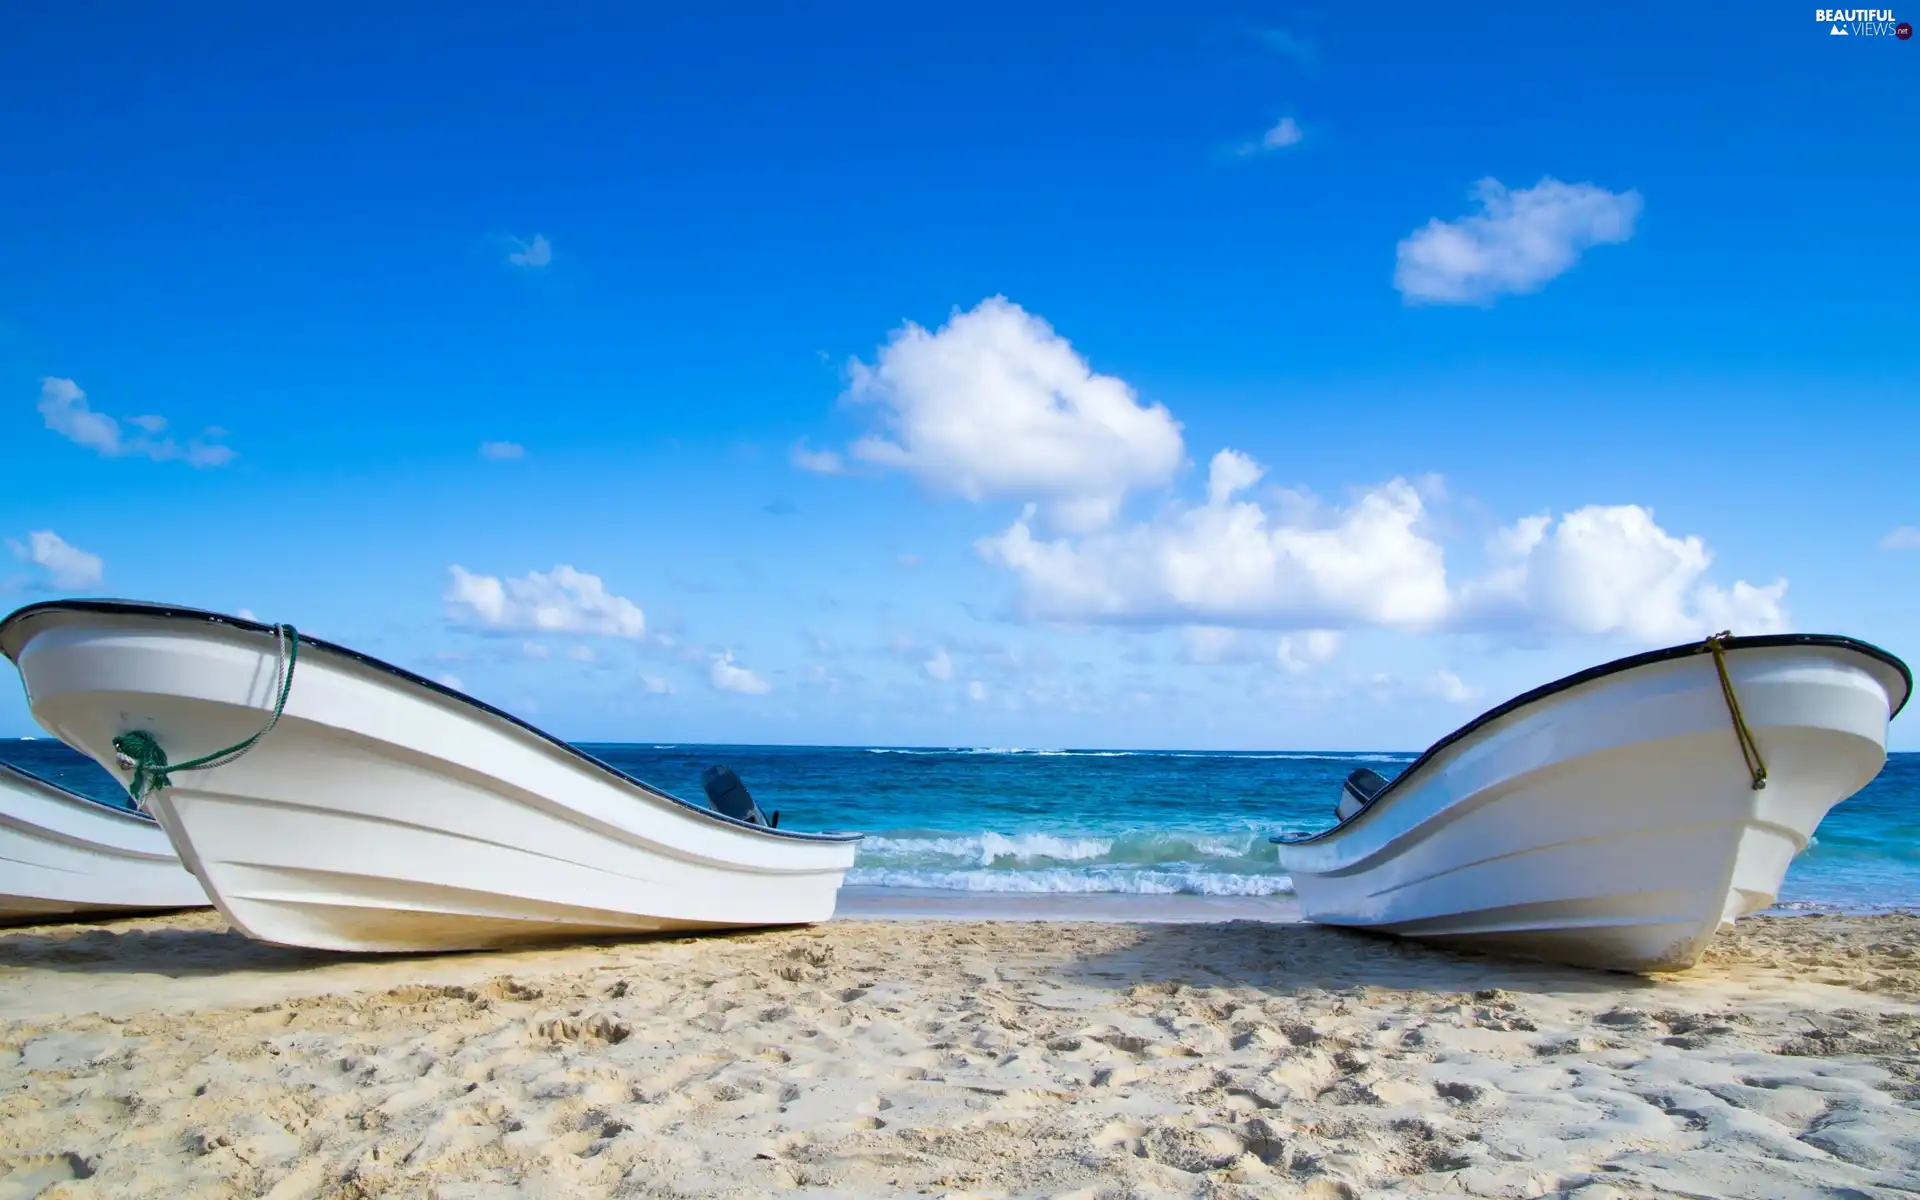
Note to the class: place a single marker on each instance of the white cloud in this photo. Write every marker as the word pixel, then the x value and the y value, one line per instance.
pixel 536 253
pixel 450 680
pixel 246 614
pixel 996 404
pixel 580 653
pixel 1231 562
pixel 1284 133
pixel 1610 569
pixel 820 462
pixel 977 692
pixel 657 686
pixel 1906 537
pixel 502 450
pixel 65 409
pixel 1230 472
pixel 1445 685
pixel 1296 654
pixel 1516 243
pixel 728 677
pixel 560 601
pixel 939 666
pixel 67 566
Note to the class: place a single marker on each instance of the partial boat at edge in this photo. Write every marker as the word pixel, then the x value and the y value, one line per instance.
pixel 385 812
pixel 67 855
pixel 1609 819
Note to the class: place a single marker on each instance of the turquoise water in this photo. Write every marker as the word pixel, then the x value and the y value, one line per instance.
pixel 1040 822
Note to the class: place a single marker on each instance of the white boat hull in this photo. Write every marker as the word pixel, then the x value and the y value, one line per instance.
pixel 63 855
pixel 1612 823
pixel 384 813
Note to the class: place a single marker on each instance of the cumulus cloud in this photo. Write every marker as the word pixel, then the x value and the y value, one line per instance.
pixel 536 253
pixel 996 404
pixel 1296 654
pixel 977 692
pixel 65 409
pixel 656 686
pixel 1283 133
pixel 1906 537
pixel 500 451
pixel 1445 685
pixel 820 462
pixel 559 601
pixel 1611 569
pixel 940 666
pixel 1516 243
pixel 727 676
pixel 449 680
pixel 67 566
pixel 1230 562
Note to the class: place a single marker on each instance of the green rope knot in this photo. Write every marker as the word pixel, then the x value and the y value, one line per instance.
pixel 140 752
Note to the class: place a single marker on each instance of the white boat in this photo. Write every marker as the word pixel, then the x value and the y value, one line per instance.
pixel 384 812
pixel 63 854
pixel 1616 818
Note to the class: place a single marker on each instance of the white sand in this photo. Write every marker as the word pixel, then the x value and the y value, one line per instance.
pixel 169 1057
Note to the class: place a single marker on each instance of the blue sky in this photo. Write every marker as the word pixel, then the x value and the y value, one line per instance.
pixel 670 265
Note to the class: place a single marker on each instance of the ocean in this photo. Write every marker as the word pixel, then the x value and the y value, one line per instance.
pixel 1054 823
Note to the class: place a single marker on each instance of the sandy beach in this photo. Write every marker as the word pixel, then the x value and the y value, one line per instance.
pixel 170 1056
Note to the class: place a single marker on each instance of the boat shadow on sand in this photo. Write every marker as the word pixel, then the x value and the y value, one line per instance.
pixel 1273 957
pixel 201 944
pixel 1293 958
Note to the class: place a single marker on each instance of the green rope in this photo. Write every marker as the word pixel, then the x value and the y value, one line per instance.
pixel 138 751
pixel 1749 749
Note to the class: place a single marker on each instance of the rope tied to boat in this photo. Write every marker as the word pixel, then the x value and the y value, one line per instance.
pixel 140 752
pixel 1749 749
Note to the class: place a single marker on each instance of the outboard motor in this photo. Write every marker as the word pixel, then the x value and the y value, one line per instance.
pixel 730 798
pixel 1359 791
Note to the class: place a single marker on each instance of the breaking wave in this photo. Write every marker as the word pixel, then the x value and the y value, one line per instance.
pixel 1141 862
pixel 1274 756
pixel 1061 881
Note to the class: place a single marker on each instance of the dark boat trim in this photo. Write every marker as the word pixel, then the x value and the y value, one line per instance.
pixel 137 608
pixel 7 768
pixel 1829 641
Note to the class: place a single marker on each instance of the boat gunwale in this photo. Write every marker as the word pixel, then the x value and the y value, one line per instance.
pixel 178 612
pixel 1765 641
pixel 70 794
